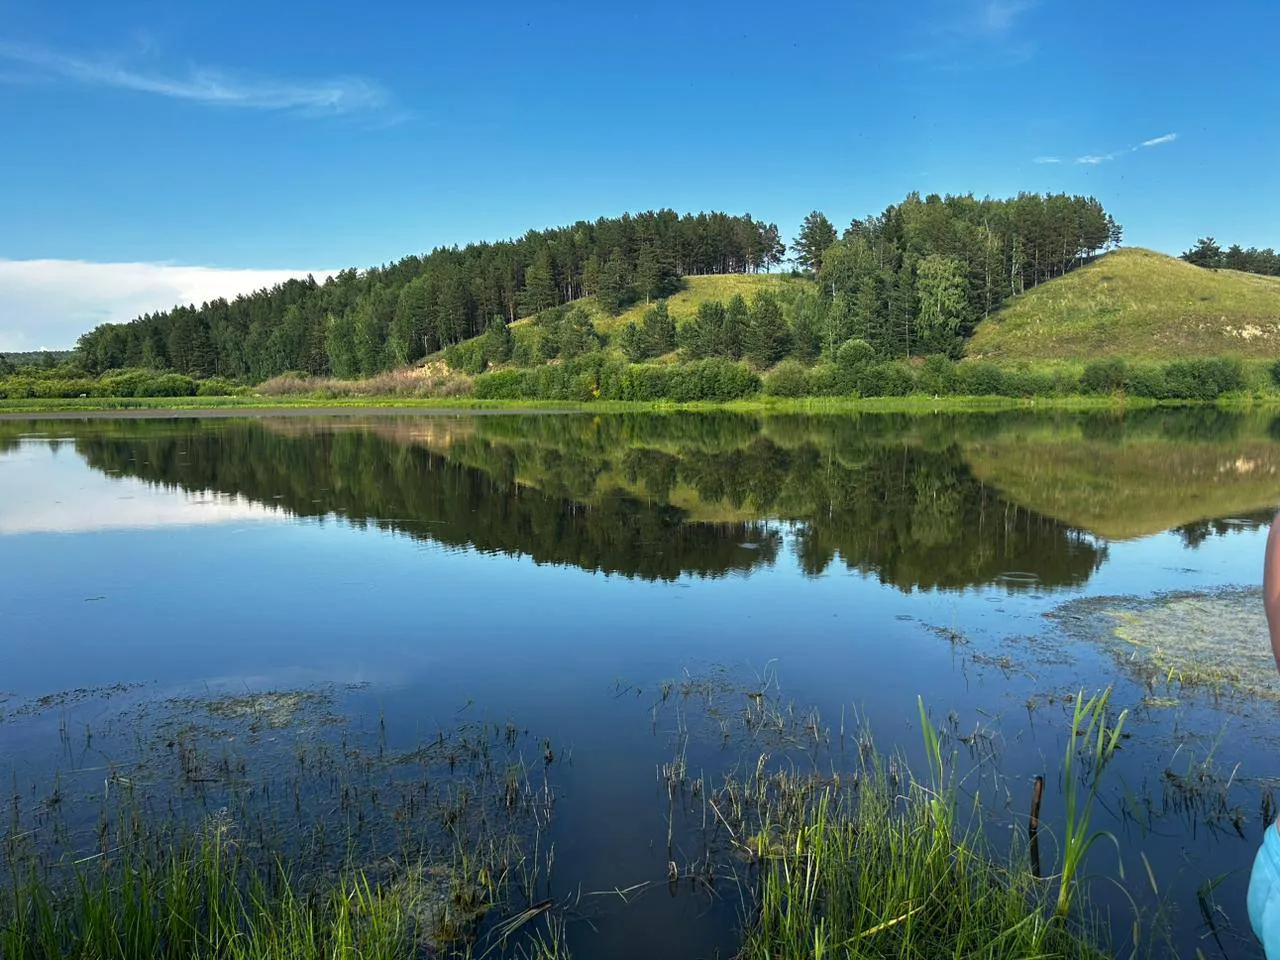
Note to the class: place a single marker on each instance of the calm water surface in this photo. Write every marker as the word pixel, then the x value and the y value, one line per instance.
pixel 558 568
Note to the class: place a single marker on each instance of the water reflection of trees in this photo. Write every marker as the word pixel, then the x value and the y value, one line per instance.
pixel 643 496
pixel 372 481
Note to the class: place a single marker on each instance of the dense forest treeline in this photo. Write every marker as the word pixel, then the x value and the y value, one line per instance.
pixel 912 280
pixel 916 279
pixel 361 322
pixel 1207 253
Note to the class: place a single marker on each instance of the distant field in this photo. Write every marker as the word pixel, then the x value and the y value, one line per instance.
pixel 1140 305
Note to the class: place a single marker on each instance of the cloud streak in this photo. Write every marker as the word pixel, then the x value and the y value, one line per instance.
pixel 996 18
pixel 207 86
pixel 47 304
pixel 1094 159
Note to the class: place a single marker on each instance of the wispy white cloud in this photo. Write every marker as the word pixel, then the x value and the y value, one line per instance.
pixel 1094 159
pixel 203 85
pixel 963 34
pixel 47 304
pixel 997 18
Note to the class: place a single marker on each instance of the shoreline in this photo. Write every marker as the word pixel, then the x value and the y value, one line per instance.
pixel 206 407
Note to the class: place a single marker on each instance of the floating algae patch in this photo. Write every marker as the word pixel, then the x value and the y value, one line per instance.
pixel 275 709
pixel 1216 639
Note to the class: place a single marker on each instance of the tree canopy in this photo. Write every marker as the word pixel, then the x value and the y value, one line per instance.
pixel 1207 253
pixel 362 321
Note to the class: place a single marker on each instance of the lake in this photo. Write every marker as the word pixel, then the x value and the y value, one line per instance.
pixel 602 592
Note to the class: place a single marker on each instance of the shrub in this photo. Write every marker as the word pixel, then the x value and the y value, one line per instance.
pixel 979 379
pixel 851 353
pixel 893 379
pixel 1203 379
pixel 831 380
pixel 1148 382
pixel 501 385
pixel 938 374
pixel 1274 370
pixel 467 356
pixel 1104 376
pixel 1028 383
pixel 16 388
pixel 216 387
pixel 788 379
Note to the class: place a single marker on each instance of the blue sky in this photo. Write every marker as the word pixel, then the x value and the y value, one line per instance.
pixel 197 149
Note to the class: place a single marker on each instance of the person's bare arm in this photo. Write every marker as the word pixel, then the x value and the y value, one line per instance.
pixel 1271 587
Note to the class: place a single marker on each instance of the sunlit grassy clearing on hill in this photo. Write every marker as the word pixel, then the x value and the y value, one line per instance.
pixel 693 292
pixel 1140 305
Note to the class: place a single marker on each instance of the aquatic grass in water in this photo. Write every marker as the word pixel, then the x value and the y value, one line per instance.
pixel 318 842
pixel 879 865
pixel 206 899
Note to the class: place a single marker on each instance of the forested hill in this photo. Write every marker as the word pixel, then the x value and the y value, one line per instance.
pixel 913 280
pixel 360 322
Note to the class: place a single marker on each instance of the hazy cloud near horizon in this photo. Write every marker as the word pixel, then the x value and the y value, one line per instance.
pixel 47 304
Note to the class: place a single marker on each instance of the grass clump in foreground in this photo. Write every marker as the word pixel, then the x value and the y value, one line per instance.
pixel 205 898
pixel 883 865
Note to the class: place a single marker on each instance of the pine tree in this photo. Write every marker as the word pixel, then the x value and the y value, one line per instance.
pixel 341 345
pixel 659 329
pixel 737 318
pixel 816 235
pixel 1206 253
pixel 870 315
pixel 499 343
pixel 614 287
pixel 900 324
pixel 577 334
pixel 806 344
pixel 655 278
pixel 634 343
pixel 703 335
pixel 539 285
pixel 767 339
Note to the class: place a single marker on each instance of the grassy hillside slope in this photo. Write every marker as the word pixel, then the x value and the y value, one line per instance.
pixel 693 292
pixel 1139 305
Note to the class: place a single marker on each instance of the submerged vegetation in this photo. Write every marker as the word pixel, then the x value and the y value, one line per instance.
pixel 1214 640
pixel 863 860
pixel 261 826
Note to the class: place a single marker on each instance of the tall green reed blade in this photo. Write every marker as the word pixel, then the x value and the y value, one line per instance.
pixel 1091 726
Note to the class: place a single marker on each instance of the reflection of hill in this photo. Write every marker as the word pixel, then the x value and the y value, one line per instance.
pixel 922 503
pixel 368 479
pixel 1132 477
pixel 882 494
pixel 889 496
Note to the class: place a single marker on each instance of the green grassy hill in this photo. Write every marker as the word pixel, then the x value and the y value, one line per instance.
pixel 1140 305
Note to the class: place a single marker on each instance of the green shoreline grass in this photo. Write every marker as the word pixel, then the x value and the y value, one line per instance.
pixel 195 406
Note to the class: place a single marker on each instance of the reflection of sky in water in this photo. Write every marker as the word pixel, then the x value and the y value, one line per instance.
pixel 46 492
